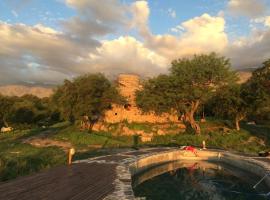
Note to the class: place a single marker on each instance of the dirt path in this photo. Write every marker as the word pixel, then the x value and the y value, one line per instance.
pixel 43 140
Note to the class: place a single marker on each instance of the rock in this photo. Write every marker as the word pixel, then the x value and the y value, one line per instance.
pixel 161 132
pixel 146 138
pixel 127 131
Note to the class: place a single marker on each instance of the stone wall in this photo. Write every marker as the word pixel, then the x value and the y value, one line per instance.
pixel 128 85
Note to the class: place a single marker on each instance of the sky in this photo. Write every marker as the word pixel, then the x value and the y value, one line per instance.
pixel 45 42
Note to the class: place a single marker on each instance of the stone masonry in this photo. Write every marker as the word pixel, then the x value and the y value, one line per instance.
pixel 128 85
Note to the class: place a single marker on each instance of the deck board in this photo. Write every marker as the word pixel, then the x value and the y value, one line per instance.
pixel 79 181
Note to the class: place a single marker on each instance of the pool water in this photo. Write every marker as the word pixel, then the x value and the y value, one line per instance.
pixel 197 180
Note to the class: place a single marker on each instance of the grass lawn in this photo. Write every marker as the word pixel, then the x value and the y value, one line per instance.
pixel 17 158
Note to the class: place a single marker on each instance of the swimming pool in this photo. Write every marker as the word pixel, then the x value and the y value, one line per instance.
pixel 197 180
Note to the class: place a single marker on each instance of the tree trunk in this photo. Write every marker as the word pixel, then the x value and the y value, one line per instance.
pixel 189 118
pixel 237 126
pixel 5 122
pixel 238 118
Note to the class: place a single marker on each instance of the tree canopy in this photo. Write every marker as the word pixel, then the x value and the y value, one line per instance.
pixel 89 95
pixel 230 103
pixel 257 92
pixel 190 83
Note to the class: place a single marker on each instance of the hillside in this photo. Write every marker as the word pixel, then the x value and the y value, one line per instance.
pixel 244 76
pixel 20 90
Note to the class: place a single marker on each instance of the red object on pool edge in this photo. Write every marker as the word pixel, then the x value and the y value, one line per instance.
pixel 190 148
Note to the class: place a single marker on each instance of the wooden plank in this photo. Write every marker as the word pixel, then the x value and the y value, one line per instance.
pixel 79 181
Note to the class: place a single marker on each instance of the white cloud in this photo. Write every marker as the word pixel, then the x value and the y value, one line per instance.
pixel 201 35
pixel 250 8
pixel 261 20
pixel 131 57
pixel 172 13
pixel 141 12
pixel 177 29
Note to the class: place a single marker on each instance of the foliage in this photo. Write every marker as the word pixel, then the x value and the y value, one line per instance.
pixel 89 95
pixel 191 83
pixel 27 109
pixel 230 103
pixel 257 92
pixel 5 108
pixel 18 159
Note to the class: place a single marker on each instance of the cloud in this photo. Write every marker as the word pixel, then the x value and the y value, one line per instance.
pixel 94 18
pixel 131 57
pixel 177 29
pixel 102 10
pixel 172 13
pixel 250 8
pixel 49 49
pixel 267 21
pixel 140 12
pixel 199 35
pixel 261 20
pixel 250 51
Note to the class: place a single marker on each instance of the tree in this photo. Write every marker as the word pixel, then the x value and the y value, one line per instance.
pixel 257 91
pixel 190 83
pixel 89 95
pixel 65 98
pixel 230 103
pixel 5 109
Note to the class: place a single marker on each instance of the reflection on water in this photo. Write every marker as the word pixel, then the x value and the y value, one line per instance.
pixel 197 180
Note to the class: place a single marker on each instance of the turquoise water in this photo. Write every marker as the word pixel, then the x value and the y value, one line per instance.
pixel 201 180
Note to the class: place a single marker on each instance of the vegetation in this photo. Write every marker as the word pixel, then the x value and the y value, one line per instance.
pixel 88 95
pixel 191 83
pixel 26 111
pixel 18 158
pixel 257 92
pixel 230 103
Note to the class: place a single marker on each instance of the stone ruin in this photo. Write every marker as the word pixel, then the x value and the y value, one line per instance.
pixel 128 85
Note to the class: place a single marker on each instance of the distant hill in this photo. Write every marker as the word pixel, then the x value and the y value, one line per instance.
pixel 41 91
pixel 244 76
pixel 20 90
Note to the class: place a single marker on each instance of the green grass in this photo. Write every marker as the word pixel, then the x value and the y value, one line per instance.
pixel 82 139
pixel 146 127
pixel 17 158
pixel 233 141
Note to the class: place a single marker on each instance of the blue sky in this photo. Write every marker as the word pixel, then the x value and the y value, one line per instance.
pixel 150 33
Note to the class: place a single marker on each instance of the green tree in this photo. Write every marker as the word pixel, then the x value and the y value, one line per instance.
pixel 230 103
pixel 5 109
pixel 89 95
pixel 190 83
pixel 257 92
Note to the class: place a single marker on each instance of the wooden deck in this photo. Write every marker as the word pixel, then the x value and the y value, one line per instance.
pixel 79 181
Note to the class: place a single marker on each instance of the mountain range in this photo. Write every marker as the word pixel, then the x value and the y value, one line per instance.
pixel 41 91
